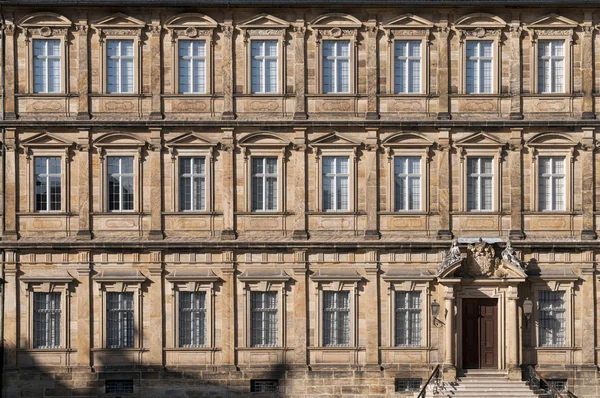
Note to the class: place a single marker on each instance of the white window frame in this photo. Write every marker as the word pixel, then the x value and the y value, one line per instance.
pixel 262 313
pixel 204 326
pixel 45 59
pixel 335 176
pixel 120 57
pixel 552 176
pixel 121 175
pixel 566 284
pixel 115 35
pixel 264 177
pixel 479 175
pixel 497 56
pixel 555 34
pixel 557 150
pixel 551 76
pixel 192 176
pixel 478 85
pixel 191 59
pixel 408 311
pixel 262 58
pixel 107 324
pixel 47 177
pixel 406 60
pixel 407 176
pixel 336 58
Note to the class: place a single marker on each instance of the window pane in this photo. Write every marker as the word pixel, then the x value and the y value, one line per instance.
pixel 336 318
pixel 192 319
pixel 119 320
pixel 552 319
pixel 46 320
pixel 264 319
pixel 408 318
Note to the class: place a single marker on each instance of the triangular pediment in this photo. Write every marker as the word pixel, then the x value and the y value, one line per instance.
pixel 119 20
pixel 480 139
pixel 46 140
pixel 263 138
pixel 408 21
pixel 334 139
pixel 45 19
pixel 551 139
pixel 410 139
pixel 189 139
pixel 482 20
pixel 124 140
pixel 339 20
pixel 264 21
pixel 191 19
pixel 552 21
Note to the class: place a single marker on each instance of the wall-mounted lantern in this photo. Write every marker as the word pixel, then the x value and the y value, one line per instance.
pixel 435 311
pixel 527 310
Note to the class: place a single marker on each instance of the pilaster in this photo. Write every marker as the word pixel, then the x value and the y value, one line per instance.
pixel 155 30
pixel 587 65
pixel 227 68
pixel 371 305
pixel 11 289
pixel 299 155
pixel 516 111
pixel 513 335
pixel 442 69
pixel 228 306
pixel 83 107
pixel 372 33
pixel 156 205
pixel 228 181
pixel 300 310
pixel 84 184
pixel 588 146
pixel 9 69
pixel 84 308
pixel 371 183
pixel 449 362
pixel 10 185
pixel 444 198
pixel 299 34
pixel 156 300
pixel 588 310
pixel 515 164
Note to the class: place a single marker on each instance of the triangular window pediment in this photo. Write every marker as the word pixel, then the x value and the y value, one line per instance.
pixel 264 21
pixel 336 20
pixel 480 20
pixel 46 140
pixel 406 139
pixel 551 140
pixel 480 139
pixel 122 140
pixel 553 21
pixel 119 20
pixel 45 19
pixel 263 139
pixel 334 139
pixel 190 139
pixel 191 19
pixel 408 21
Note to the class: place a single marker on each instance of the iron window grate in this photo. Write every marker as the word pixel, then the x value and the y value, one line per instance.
pixel 118 387
pixel 559 384
pixel 408 385
pixel 264 386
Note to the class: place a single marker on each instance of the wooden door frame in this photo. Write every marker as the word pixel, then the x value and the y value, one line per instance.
pixel 479 303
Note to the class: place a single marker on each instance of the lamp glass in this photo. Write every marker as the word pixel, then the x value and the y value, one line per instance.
pixel 435 308
pixel 527 307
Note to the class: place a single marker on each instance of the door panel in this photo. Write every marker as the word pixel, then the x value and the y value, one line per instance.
pixel 488 337
pixel 480 333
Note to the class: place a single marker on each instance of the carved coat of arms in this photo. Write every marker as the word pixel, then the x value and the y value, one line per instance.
pixel 481 260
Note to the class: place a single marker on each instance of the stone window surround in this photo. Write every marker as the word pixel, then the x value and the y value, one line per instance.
pixel 49 283
pixel 392 153
pixel 264 281
pixel 193 281
pixel 565 34
pixel 265 34
pixel 496 154
pixel 331 282
pixel 420 35
pixel 495 38
pixel 409 284
pixel 113 282
pixel 105 34
pixel 202 35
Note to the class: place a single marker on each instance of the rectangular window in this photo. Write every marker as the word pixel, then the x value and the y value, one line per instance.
pixel 480 177
pixel 407 75
pixel 264 385
pixel 192 67
pixel 119 66
pixel 192 319
pixel 264 66
pixel 120 183
pixel 480 60
pixel 192 184
pixel 551 66
pixel 407 183
pixel 336 66
pixel 336 190
pixel 46 66
pixel 263 319
pixel 408 319
pixel 264 184
pixel 118 386
pixel 119 320
pixel 48 183
pixel 46 320
pixel 552 319
pixel 336 319
pixel 551 181
pixel 408 385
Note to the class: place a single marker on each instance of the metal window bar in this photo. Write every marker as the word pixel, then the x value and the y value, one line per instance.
pixel 551 183
pixel 46 65
pixel 336 66
pixel 408 319
pixel 192 67
pixel 336 188
pixel 552 319
pixel 551 69
pixel 119 65
pixel 46 320
pixel 120 183
pixel 479 67
pixel 408 385
pixel 407 183
pixel 264 184
pixel 263 319
pixel 192 319
pixel 480 190
pixel 192 184
pixel 48 184
pixel 118 386
pixel 264 68
pixel 336 319
pixel 407 78
pixel 119 320
pixel 264 386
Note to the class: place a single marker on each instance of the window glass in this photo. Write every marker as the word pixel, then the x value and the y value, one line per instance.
pixel 264 184
pixel 336 66
pixel 192 184
pixel 407 183
pixel 336 318
pixel 551 180
pixel 408 318
pixel 192 319
pixel 552 319
pixel 46 66
pixel 551 70
pixel 119 320
pixel 336 183
pixel 192 67
pixel 264 66
pixel 263 319
pixel 120 183
pixel 46 320
pixel 480 59
pixel 119 64
pixel 407 77
pixel 480 176
pixel 48 183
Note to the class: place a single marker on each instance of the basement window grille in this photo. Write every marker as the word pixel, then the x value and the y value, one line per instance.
pixel 264 386
pixel 118 387
pixel 559 384
pixel 408 385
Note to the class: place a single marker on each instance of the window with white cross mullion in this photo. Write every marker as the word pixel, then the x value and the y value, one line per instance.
pixel 479 74
pixel 46 320
pixel 407 183
pixel 551 66
pixel 46 65
pixel 551 183
pixel 263 319
pixel 336 176
pixel 192 67
pixel 264 184
pixel 119 63
pixel 264 66
pixel 192 184
pixel 336 318
pixel 480 177
pixel 407 78
pixel 336 66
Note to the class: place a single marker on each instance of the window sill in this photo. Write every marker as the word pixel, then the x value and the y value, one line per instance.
pixel 47 95
pixel 407 95
pixel 119 213
pixel 551 213
pixel 262 213
pixel 552 95
pixel 477 213
pixel 33 350
pixel 193 349
pixel 404 213
pixel 406 348
pixel 191 213
pixel 128 95
pixel 119 349
pixel 191 95
pixel 263 348
pixel 44 213
pixel 349 348
pixel 336 213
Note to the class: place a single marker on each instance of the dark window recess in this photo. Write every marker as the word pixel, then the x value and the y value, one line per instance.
pixel 408 385
pixel 264 386
pixel 118 386
pixel 559 384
